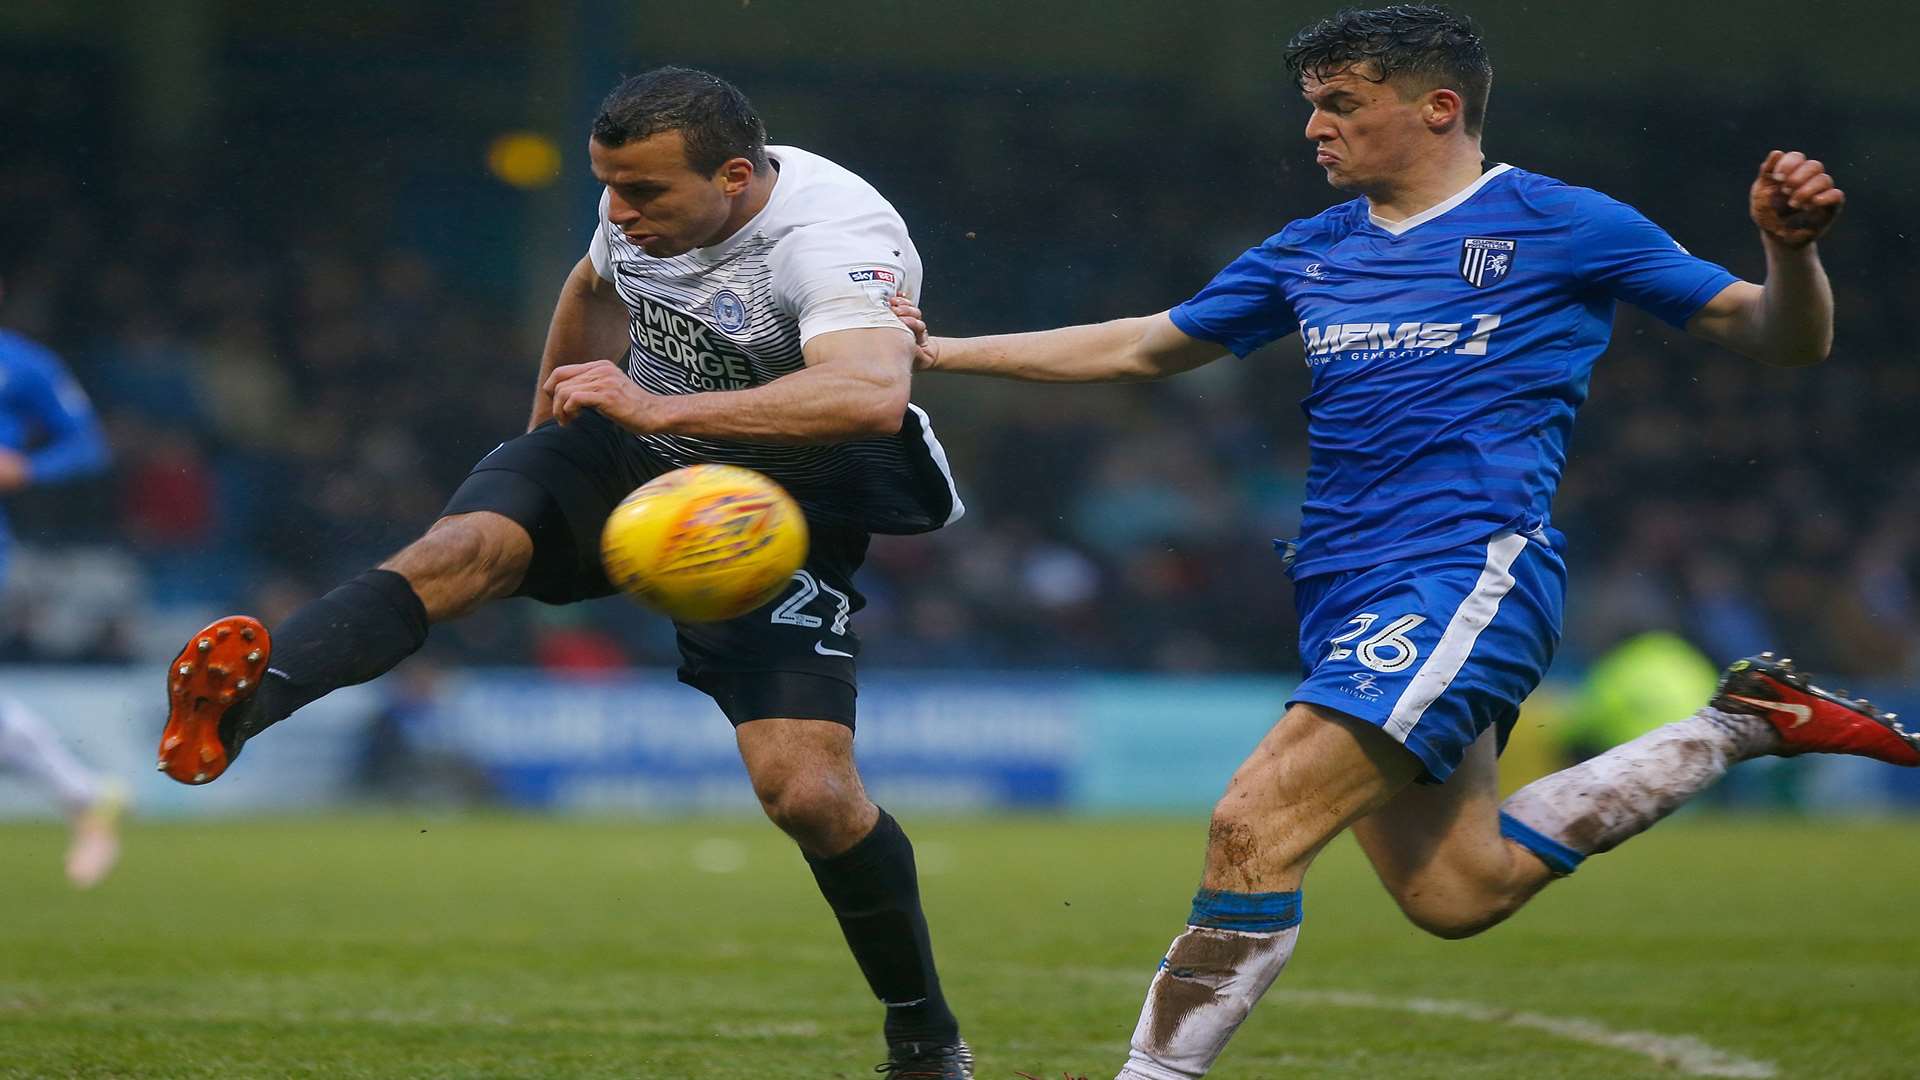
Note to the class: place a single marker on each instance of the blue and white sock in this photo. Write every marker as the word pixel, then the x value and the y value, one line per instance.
pixel 1602 802
pixel 1233 949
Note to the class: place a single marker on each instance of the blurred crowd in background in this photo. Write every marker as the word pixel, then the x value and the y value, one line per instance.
pixel 293 383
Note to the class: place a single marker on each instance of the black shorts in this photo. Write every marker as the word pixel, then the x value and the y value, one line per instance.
pixel 792 658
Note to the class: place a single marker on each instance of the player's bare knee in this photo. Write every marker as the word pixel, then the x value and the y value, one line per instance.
pixel 812 809
pixel 464 559
pixel 1449 921
pixel 1250 830
pixel 1456 908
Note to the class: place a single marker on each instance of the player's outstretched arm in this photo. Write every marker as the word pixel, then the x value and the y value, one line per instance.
pixel 1789 320
pixel 1122 350
pixel 853 387
pixel 589 322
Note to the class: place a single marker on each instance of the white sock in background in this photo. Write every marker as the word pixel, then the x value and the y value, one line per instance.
pixel 1603 801
pixel 28 745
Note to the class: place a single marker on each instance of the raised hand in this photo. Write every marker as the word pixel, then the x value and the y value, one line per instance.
pixel 1794 199
pixel 14 470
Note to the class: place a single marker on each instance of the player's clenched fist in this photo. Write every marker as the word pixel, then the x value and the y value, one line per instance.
pixel 599 385
pixel 1794 199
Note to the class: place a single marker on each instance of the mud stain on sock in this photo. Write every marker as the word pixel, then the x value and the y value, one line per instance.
pixel 1609 815
pixel 1198 965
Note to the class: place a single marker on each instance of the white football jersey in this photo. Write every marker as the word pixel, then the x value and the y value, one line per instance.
pixel 826 253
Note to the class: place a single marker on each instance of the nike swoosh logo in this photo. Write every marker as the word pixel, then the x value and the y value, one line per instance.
pixel 821 648
pixel 1800 713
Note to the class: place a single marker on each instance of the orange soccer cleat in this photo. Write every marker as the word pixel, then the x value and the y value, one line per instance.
pixel 210 696
pixel 1811 720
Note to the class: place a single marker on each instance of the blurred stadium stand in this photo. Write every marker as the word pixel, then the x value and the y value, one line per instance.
pixel 271 248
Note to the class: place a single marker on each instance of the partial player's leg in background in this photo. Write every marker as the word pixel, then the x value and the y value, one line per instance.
pixel 93 804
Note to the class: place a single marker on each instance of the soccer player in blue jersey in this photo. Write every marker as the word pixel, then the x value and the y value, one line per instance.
pixel 1452 313
pixel 48 434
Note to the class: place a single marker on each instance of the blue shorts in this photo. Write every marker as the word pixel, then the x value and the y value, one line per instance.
pixel 1434 649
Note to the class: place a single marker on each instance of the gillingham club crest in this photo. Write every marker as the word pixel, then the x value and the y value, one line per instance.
pixel 1484 261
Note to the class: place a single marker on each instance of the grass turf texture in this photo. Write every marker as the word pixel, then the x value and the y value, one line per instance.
pixel 490 947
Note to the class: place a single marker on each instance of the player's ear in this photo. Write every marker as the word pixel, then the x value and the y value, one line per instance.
pixel 734 176
pixel 1442 109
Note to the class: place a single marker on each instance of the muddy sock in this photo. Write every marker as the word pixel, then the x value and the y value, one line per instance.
pixel 1234 947
pixel 1600 803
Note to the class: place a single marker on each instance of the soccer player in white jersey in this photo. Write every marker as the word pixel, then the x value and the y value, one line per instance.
pixel 49 434
pixel 1452 313
pixel 746 286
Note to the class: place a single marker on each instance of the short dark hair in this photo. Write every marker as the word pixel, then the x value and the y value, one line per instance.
pixel 1418 40
pixel 710 113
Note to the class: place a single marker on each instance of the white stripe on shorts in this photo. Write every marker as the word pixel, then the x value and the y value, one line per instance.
pixel 1456 643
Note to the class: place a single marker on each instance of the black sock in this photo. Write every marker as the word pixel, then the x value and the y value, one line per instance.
pixel 875 893
pixel 352 634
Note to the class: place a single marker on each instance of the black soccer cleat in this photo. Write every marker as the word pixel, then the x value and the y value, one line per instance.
pixel 1811 720
pixel 213 705
pixel 927 1061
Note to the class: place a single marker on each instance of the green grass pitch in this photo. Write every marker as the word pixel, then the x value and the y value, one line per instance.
pixel 417 946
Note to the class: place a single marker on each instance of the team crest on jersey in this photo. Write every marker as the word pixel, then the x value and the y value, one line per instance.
pixel 729 311
pixel 1484 261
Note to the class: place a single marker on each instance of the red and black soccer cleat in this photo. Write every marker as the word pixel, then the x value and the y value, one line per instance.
pixel 1811 720
pixel 210 694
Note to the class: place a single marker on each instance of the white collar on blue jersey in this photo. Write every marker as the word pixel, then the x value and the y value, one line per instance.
pixel 1434 211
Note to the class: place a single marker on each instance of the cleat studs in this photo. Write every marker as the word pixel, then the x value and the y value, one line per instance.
pixel 246 633
pixel 186 669
pixel 242 684
pixel 160 766
pixel 253 657
pixel 199 778
pixel 1766 656
pixel 223 633
pixel 205 644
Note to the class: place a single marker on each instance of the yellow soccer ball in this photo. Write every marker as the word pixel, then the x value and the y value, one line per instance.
pixel 704 543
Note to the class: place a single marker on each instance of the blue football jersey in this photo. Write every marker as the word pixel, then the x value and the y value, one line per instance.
pixel 46 416
pixel 1448 352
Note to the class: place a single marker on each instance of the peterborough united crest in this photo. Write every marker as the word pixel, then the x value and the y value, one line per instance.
pixel 729 312
pixel 1484 261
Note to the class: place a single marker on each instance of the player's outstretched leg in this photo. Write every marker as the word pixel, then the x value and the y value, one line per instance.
pixel 804 775
pixel 1763 707
pixel 1313 775
pixel 231 681
pixel 1459 861
pixel 92 804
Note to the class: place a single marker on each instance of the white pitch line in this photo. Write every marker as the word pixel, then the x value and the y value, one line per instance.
pixel 1682 1052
